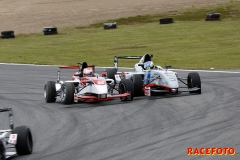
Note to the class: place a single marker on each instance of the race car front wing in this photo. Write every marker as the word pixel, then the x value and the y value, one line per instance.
pixel 104 97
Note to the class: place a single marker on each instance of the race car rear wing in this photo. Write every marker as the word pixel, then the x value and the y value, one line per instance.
pixel 72 67
pixel 115 62
pixel 10 113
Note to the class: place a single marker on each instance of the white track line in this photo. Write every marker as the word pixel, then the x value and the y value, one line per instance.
pixel 209 71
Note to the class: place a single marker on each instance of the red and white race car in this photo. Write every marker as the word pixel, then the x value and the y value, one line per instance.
pixel 86 89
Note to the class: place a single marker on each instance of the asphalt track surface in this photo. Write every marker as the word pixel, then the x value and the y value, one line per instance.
pixel 147 128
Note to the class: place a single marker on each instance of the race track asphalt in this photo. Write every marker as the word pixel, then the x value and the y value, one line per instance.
pixel 147 128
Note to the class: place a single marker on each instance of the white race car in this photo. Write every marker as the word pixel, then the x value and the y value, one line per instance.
pixel 156 80
pixel 86 89
pixel 14 141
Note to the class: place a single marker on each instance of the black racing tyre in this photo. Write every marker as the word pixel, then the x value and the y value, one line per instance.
pixel 50 91
pixel 111 73
pixel 24 140
pixel 138 85
pixel 2 151
pixel 194 80
pixel 166 20
pixel 212 16
pixel 67 93
pixel 126 85
pixel 7 33
pixel 50 33
pixel 8 36
pixel 50 30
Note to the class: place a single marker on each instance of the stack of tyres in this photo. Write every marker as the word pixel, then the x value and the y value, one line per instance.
pixel 110 25
pixel 166 20
pixel 7 34
pixel 50 30
pixel 212 16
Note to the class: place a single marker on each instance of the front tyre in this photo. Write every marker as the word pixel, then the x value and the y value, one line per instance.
pixel 138 84
pixel 24 140
pixel 126 85
pixel 67 93
pixel 50 91
pixel 2 151
pixel 194 80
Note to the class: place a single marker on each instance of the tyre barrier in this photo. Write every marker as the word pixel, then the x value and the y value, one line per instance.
pixel 166 20
pixel 110 25
pixel 212 16
pixel 50 30
pixel 7 34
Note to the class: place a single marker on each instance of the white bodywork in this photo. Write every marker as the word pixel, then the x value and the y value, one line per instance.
pixel 95 85
pixel 166 78
pixel 90 89
pixel 157 76
pixel 156 79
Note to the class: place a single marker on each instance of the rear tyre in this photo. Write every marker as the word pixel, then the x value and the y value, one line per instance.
pixel 67 93
pixel 126 85
pixel 138 84
pixel 111 73
pixel 194 80
pixel 24 140
pixel 50 91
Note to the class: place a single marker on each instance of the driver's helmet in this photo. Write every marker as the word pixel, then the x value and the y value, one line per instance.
pixel 148 65
pixel 88 72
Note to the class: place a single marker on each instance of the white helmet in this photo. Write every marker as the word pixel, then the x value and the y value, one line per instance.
pixel 88 72
pixel 148 65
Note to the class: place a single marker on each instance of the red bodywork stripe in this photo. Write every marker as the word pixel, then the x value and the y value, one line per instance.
pixel 105 99
pixel 73 67
pixel 155 85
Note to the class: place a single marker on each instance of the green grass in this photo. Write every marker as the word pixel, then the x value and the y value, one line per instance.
pixel 189 43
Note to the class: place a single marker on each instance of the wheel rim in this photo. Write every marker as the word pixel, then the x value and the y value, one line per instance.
pixel 45 92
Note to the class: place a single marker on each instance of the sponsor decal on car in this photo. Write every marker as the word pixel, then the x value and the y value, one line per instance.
pixel 13 139
pixel 99 81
